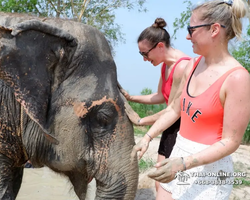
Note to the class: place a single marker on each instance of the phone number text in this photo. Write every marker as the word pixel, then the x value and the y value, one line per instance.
pixel 218 182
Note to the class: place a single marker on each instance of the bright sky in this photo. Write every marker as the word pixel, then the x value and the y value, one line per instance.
pixel 133 73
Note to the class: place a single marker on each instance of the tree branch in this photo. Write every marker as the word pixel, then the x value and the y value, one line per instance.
pixel 84 6
pixel 57 11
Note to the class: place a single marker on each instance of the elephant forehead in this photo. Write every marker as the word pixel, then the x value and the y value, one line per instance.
pixel 81 109
pixel 80 88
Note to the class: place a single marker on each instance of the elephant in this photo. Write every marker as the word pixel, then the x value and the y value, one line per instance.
pixel 61 107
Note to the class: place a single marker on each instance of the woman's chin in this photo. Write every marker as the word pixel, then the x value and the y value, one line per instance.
pixel 153 63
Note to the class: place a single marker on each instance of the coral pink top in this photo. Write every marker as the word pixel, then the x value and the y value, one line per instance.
pixel 167 84
pixel 202 116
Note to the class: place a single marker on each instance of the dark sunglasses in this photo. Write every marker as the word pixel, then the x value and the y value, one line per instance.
pixel 145 54
pixel 191 28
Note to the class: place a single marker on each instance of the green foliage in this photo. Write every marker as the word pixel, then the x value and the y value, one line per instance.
pixel 183 21
pixel 144 110
pixel 99 14
pixel 20 6
pixel 140 130
pixel 242 51
pixel 246 137
pixel 145 164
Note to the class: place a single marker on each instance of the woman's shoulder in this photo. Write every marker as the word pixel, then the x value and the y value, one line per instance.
pixel 238 75
pixel 237 82
pixel 184 67
pixel 236 71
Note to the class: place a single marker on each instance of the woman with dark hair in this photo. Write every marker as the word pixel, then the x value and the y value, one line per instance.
pixel 154 46
pixel 213 102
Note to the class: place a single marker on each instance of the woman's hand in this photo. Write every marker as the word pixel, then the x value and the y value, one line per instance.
pixel 132 115
pixel 167 169
pixel 125 94
pixel 141 146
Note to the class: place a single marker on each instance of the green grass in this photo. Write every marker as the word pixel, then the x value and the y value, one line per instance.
pixel 240 167
pixel 245 182
pixel 145 164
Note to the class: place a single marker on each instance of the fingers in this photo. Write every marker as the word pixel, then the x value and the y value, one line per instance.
pixel 141 146
pixel 162 163
pixel 166 170
pixel 125 94
pixel 134 153
pixel 155 174
pixel 161 175
pixel 143 149
pixel 141 154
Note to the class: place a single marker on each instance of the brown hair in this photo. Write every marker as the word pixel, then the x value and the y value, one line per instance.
pixel 227 13
pixel 156 33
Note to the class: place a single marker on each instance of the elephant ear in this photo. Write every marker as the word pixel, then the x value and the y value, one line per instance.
pixel 30 54
pixel 132 115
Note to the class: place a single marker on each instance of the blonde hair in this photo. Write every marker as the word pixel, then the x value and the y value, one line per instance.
pixel 226 13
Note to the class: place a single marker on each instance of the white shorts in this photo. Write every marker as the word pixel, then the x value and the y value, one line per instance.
pixel 207 182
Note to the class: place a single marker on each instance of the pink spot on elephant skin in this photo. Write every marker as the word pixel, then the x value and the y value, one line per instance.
pixel 81 110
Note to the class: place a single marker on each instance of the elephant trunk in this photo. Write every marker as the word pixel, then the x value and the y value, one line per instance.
pixel 120 180
pixel 119 186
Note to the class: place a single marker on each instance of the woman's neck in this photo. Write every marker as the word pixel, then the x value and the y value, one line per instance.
pixel 216 54
pixel 214 59
pixel 172 56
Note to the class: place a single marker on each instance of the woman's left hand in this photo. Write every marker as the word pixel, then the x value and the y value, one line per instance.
pixel 132 115
pixel 167 169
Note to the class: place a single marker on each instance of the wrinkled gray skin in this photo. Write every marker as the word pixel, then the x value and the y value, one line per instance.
pixel 72 117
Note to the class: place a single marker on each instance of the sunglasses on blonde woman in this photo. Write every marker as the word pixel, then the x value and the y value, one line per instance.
pixel 191 28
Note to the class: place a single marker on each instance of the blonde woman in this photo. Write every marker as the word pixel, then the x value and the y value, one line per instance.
pixel 213 102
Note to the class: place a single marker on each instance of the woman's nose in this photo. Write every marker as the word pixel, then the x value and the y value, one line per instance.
pixel 188 37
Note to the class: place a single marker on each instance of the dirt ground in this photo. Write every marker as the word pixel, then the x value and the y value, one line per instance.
pixel 44 184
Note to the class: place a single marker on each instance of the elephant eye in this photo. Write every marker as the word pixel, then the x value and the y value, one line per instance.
pixel 104 115
pixel 102 120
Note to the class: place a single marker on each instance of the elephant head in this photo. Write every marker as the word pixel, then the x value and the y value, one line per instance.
pixel 63 75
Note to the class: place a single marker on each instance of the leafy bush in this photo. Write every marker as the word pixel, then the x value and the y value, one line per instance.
pixel 144 110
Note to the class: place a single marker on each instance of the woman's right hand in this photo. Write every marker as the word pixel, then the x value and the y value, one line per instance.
pixel 125 94
pixel 141 146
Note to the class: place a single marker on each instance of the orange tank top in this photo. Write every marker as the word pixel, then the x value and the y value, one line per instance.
pixel 202 116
